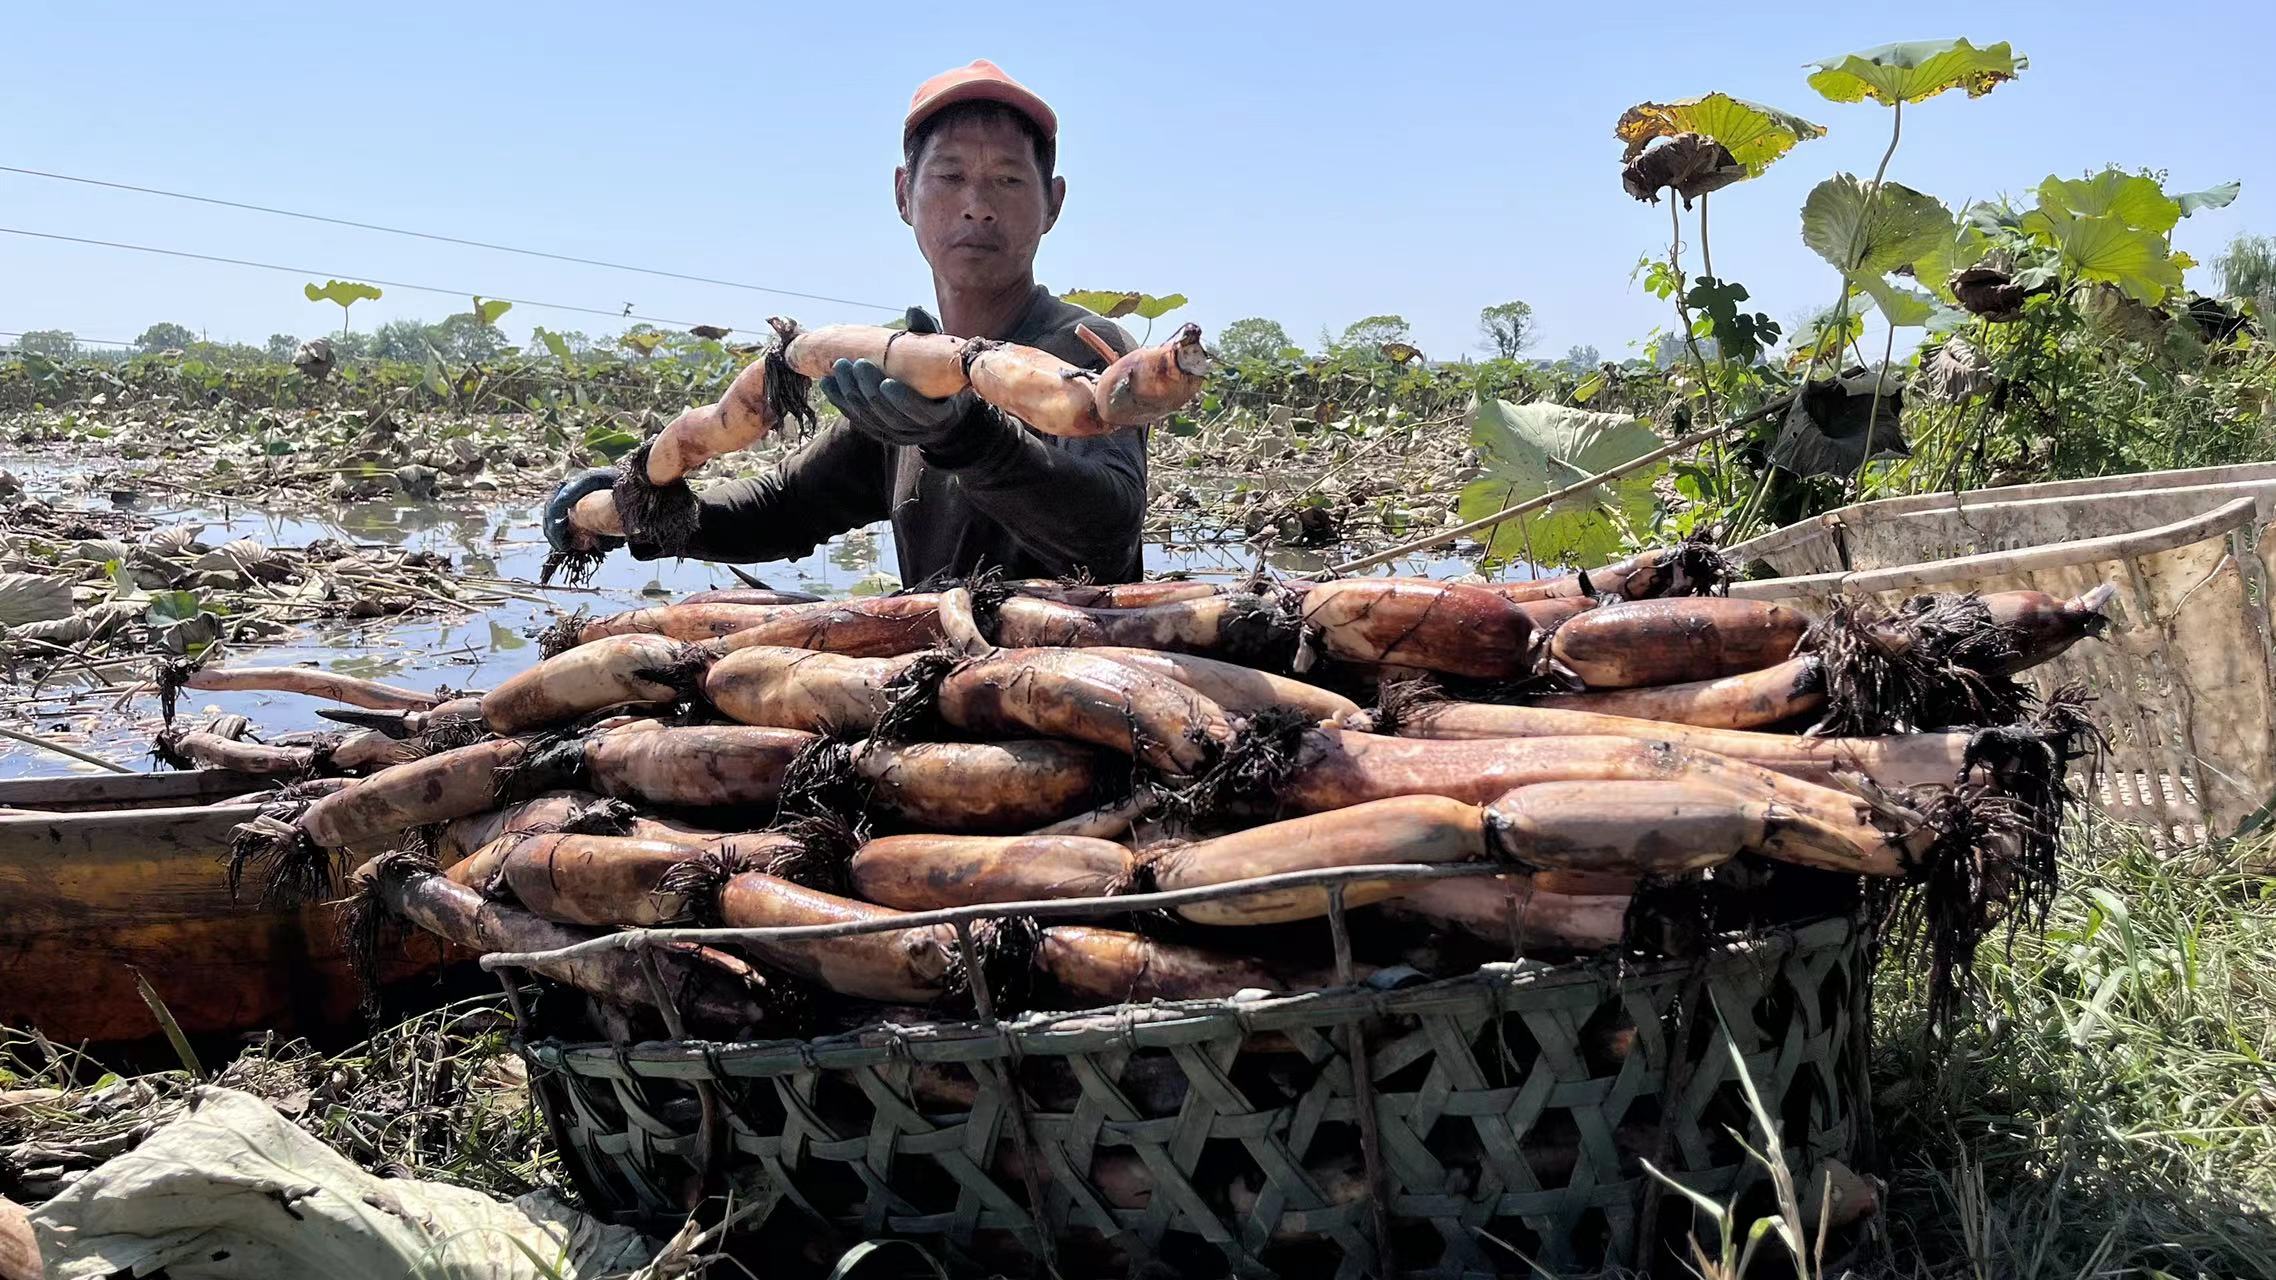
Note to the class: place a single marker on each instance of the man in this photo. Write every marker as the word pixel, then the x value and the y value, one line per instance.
pixel 966 487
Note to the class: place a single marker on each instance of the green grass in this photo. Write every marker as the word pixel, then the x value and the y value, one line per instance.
pixel 2115 1112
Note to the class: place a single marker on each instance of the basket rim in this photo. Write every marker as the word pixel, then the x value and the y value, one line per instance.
pixel 1161 1024
pixel 2243 475
pixel 2218 522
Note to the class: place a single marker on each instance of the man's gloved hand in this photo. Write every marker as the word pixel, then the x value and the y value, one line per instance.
pixel 564 536
pixel 886 410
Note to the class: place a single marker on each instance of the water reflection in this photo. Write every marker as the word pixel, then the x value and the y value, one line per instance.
pixel 400 523
pixel 499 544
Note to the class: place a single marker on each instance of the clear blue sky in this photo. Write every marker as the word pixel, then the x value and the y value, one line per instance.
pixel 1312 164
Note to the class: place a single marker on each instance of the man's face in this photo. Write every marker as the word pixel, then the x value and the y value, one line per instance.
pixel 979 204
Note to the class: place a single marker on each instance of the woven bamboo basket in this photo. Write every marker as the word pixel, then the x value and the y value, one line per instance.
pixel 2186 675
pixel 1452 1128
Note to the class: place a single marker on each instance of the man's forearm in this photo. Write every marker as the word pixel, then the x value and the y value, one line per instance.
pixel 746 522
pixel 835 483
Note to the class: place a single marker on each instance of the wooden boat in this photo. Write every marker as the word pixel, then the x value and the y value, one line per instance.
pixel 105 875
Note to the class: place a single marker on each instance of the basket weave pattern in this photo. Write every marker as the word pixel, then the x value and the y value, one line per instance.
pixel 1514 1107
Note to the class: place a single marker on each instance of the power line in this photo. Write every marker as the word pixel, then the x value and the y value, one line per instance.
pixel 75 338
pixel 443 239
pixel 348 275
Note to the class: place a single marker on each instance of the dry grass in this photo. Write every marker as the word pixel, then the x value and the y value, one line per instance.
pixel 440 1096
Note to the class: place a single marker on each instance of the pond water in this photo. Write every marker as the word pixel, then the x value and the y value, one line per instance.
pixel 500 542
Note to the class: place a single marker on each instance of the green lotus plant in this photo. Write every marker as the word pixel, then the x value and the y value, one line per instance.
pixel 1694 147
pixel 1525 450
pixel 1114 304
pixel 1741 138
pixel 2116 228
pixel 1915 71
pixel 1867 230
pixel 346 293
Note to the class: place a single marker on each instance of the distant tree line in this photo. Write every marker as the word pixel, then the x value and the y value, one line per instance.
pixel 458 339
pixel 1506 330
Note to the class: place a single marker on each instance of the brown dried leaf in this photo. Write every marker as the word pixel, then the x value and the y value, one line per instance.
pixel 1688 163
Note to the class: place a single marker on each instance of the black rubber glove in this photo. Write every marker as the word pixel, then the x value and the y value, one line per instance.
pixel 889 411
pixel 564 536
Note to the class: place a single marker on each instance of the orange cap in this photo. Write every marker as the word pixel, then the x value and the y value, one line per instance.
pixel 982 81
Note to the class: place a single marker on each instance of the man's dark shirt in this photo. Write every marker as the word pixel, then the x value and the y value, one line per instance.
pixel 996 495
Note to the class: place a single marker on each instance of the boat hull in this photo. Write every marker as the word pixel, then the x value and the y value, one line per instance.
pixel 102 878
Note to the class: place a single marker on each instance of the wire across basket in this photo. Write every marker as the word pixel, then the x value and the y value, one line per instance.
pixel 1465 1127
